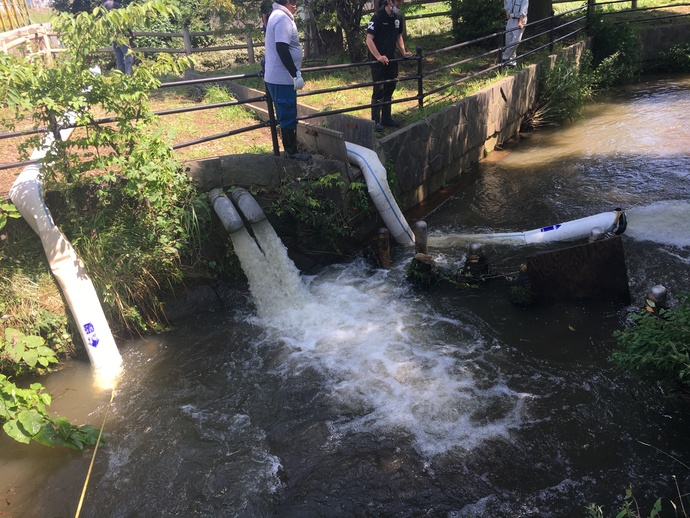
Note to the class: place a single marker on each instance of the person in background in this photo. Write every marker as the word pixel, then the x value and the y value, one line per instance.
pixel 124 59
pixel 516 13
pixel 265 9
pixel 282 72
pixel 384 35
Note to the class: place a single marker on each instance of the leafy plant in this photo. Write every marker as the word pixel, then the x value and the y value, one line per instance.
pixel 124 201
pixel 563 94
pixel 314 213
pixel 616 52
pixel 629 508
pixel 26 418
pixel 674 60
pixel 7 210
pixel 27 351
pixel 658 347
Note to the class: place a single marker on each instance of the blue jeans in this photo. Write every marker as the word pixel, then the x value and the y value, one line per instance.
pixel 123 60
pixel 285 103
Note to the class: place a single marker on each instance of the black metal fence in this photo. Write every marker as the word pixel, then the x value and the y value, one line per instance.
pixel 541 35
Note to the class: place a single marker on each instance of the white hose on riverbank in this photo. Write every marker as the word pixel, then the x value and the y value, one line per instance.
pixel 377 185
pixel 68 269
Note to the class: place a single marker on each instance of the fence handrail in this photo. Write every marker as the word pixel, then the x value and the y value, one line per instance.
pixel 419 76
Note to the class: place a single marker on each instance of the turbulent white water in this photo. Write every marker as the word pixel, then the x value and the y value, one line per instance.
pixel 665 222
pixel 386 365
pixel 273 279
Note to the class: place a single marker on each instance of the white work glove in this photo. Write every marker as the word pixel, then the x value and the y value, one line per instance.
pixel 298 81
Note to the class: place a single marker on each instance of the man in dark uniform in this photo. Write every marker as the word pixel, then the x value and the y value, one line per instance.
pixel 384 35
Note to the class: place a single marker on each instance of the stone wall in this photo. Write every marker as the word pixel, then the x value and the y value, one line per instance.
pixel 659 39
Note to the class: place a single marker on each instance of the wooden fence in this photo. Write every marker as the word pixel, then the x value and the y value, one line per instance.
pixel 13 14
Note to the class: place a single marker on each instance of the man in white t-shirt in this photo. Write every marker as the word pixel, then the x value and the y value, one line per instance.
pixel 282 72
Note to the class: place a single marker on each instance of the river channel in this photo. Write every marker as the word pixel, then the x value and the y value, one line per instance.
pixel 373 398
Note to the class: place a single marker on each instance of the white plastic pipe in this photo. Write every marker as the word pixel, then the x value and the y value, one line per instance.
pixel 68 269
pixel 377 185
pixel 614 221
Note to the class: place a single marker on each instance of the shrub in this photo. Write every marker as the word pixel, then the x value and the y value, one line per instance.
pixel 616 53
pixel 477 18
pixel 564 91
pixel 674 60
pixel 658 347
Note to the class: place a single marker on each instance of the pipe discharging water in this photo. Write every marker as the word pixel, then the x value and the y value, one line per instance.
pixel 274 280
pixel 68 269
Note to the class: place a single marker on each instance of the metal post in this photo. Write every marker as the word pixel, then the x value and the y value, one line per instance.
pixel 591 8
pixel 420 81
pixel 272 120
pixel 552 21
pixel 250 49
pixel 187 45
pixel 384 250
pixel 420 237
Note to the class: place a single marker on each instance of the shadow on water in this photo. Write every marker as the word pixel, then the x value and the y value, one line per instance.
pixel 366 397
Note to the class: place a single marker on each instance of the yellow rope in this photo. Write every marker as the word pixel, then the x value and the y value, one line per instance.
pixel 93 457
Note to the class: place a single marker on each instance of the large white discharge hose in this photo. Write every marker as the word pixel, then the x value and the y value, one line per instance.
pixel 375 177
pixel 68 269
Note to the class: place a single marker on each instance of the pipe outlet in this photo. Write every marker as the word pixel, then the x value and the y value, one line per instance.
pixel 248 206
pixel 231 219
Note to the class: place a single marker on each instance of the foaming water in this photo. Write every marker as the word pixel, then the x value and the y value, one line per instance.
pixel 665 222
pixel 388 365
pixel 273 278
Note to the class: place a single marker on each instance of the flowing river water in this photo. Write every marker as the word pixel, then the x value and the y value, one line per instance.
pixel 361 396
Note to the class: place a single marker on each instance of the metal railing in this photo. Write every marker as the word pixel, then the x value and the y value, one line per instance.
pixel 543 34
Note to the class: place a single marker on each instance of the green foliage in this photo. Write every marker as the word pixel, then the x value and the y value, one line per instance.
pixel 478 18
pixel 126 204
pixel 564 91
pixel 312 207
pixel 658 347
pixel 26 418
pixel 629 508
pixel 359 196
pixel 7 210
pixel 616 53
pixel 26 352
pixel 674 60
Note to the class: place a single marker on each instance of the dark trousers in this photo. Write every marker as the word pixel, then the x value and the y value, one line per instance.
pixel 384 92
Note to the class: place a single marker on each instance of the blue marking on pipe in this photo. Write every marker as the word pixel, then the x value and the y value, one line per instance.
pixel 551 227
pixel 390 204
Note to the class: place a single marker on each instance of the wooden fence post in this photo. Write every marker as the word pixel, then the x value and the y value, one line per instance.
pixel 187 45
pixel 250 49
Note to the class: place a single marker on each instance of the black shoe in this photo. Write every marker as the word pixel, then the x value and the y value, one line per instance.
pixel 390 123
pixel 378 128
pixel 298 156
